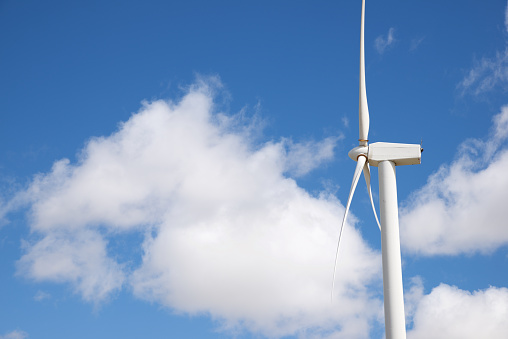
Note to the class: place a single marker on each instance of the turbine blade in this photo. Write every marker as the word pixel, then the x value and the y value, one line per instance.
pixel 358 171
pixel 366 174
pixel 364 108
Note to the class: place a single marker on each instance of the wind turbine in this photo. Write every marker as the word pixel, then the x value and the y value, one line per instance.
pixel 385 156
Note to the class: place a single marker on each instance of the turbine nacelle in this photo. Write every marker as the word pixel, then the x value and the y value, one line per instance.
pixel 400 154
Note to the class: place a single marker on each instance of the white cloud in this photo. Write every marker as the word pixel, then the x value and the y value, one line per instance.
pixel 451 313
pixel 486 75
pixel 227 232
pixel 15 335
pixel 462 207
pixel 266 268
pixel 382 43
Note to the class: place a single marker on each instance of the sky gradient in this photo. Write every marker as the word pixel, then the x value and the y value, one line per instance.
pixel 180 169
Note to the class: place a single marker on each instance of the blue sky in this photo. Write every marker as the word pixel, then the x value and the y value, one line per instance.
pixel 180 169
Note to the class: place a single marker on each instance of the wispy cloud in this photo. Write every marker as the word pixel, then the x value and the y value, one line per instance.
pixel 301 158
pixel 506 17
pixel 41 295
pixel 227 230
pixel 461 209
pixel 415 43
pixel 345 121
pixel 383 42
pixel 15 335
pixel 486 75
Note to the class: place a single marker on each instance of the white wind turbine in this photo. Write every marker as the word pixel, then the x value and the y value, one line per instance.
pixel 385 156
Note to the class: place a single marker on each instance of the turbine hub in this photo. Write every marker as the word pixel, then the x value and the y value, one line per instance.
pixel 358 151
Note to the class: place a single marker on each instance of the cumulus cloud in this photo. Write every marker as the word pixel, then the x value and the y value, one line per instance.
pixel 412 297
pixel 78 257
pixel 383 42
pixel 265 268
pixel 462 207
pixel 449 312
pixel 227 231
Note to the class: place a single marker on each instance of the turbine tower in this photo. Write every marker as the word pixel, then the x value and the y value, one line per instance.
pixel 385 156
